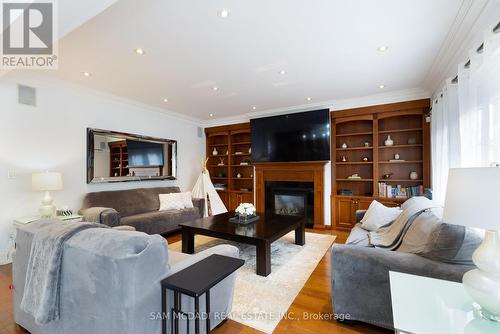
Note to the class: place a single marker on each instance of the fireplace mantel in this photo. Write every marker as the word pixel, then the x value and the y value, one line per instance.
pixel 312 171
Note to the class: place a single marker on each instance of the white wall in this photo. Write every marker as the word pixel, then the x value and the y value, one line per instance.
pixel 52 136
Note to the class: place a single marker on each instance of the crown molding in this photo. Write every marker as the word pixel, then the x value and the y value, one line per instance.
pixel 466 33
pixel 332 105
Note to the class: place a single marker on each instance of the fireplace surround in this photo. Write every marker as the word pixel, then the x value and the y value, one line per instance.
pixel 294 172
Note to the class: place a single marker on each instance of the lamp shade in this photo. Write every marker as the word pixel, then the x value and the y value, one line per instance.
pixel 46 181
pixel 473 198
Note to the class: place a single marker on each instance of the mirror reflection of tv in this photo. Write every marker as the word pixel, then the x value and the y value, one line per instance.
pixel 144 153
pixel 303 136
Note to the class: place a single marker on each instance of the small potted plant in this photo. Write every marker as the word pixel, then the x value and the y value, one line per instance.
pixel 246 213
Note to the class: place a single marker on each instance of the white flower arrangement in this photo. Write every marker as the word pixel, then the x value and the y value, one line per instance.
pixel 246 209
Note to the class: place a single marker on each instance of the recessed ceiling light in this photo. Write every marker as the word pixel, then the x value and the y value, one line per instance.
pixel 165 100
pixel 254 107
pixel 282 72
pixel 86 74
pixel 215 88
pixel 224 13
pixel 211 115
pixel 382 48
pixel 381 86
pixel 139 51
pixel 309 99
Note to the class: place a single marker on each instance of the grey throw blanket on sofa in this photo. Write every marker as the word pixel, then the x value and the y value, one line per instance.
pixel 43 274
pixel 390 237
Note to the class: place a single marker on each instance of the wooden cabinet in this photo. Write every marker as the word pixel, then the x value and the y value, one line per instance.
pixel 236 198
pixel 364 167
pixel 346 207
pixel 228 151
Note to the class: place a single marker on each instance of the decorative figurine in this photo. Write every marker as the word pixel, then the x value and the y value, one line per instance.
pixel 344 159
pixel 354 176
pixel 413 175
pixel 367 144
pixel 215 152
pixel 412 141
pixel 249 150
pixel 221 163
pixel 365 159
pixel 227 152
pixel 344 145
pixel 238 176
pixel 396 156
pixel 386 176
pixel 389 141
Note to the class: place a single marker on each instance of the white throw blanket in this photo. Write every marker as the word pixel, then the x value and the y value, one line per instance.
pixel 390 237
pixel 43 274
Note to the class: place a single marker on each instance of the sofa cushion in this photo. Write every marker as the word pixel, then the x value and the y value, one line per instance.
pixel 128 202
pixel 379 215
pixel 453 244
pixel 159 222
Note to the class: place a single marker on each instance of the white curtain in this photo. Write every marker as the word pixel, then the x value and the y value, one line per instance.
pixel 465 125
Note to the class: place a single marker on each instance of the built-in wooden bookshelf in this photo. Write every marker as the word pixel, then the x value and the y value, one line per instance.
pixel 118 158
pixel 230 165
pixel 358 147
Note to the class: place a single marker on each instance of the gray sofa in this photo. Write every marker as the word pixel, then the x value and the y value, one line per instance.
pixel 360 277
pixel 110 282
pixel 138 208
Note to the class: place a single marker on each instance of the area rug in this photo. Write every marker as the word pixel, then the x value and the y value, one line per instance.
pixel 261 302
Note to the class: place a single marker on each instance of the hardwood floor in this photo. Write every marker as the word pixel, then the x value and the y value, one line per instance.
pixel 313 300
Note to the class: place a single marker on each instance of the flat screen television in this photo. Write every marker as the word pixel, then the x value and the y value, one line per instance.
pixel 144 153
pixel 301 136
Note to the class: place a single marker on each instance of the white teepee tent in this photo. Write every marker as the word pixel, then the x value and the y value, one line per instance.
pixel 205 189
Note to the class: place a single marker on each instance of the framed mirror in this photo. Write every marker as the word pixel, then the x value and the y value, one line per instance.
pixel 121 157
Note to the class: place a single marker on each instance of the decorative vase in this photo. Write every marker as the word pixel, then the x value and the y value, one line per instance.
pixel 396 156
pixel 344 159
pixel 344 145
pixel 243 218
pixel 389 141
pixel 238 175
pixel 413 175
pixel 249 150
pixel 215 152
pixel 367 144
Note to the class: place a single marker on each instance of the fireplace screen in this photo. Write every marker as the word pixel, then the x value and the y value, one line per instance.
pixel 289 205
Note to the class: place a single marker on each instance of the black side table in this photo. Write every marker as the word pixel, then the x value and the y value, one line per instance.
pixel 194 281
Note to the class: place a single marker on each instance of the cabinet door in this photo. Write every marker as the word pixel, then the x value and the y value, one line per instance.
pixel 246 198
pixel 234 201
pixel 345 212
pixel 363 204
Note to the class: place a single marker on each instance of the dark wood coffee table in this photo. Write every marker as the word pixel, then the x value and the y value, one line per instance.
pixel 260 234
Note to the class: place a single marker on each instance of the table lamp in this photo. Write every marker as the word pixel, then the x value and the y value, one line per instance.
pixel 473 200
pixel 47 181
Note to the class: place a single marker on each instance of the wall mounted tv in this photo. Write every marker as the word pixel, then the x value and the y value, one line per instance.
pixel 301 136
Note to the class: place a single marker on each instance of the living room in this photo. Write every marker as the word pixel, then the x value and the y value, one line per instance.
pixel 250 167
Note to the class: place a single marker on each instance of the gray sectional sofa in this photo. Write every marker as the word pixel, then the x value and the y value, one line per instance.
pixel 110 282
pixel 360 272
pixel 138 208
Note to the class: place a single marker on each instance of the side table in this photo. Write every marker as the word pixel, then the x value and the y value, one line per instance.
pixel 195 281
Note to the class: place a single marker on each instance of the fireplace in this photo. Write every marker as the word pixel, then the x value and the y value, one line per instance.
pixel 289 198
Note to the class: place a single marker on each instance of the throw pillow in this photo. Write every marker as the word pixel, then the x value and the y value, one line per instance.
pixel 379 215
pixel 454 244
pixel 172 201
pixel 187 200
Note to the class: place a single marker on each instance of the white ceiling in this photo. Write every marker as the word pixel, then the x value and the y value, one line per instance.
pixel 327 47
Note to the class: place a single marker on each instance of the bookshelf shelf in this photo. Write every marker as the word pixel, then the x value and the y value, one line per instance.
pixel 401 180
pixel 355 163
pixel 354 134
pixel 402 162
pixel 355 180
pixel 401 146
pixel 363 148
pixel 400 130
